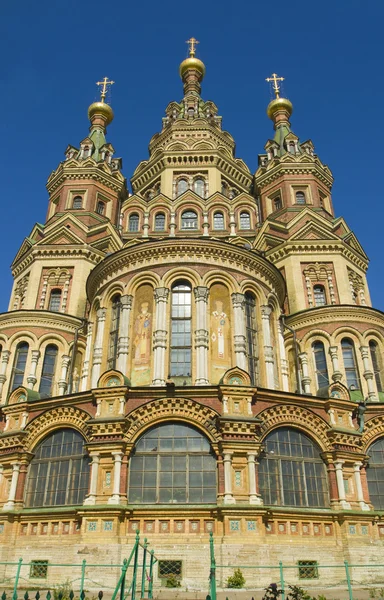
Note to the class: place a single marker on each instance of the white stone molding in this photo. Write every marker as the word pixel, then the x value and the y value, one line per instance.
pixel 85 369
pixel 268 349
pixel 337 374
pixel 228 496
pixel 368 373
pixel 65 360
pixel 123 341
pixel 359 489
pixel 172 224
pixel 91 497
pixel 98 347
pixel 283 357
pixel 160 335
pixel 254 498
pixel 305 380
pixel 232 224
pixel 239 332
pixel 10 504
pixel 340 484
pixel 146 225
pixel 5 355
pixel 201 335
pixel 205 225
pixel 117 458
pixel 31 379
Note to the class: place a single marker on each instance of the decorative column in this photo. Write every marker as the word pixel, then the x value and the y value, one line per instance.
pixel 91 498
pixel 228 497
pixel 340 484
pixel 283 357
pixel 232 224
pixel 306 380
pixel 98 347
pixel 172 225
pixel 85 370
pixel 115 498
pixel 65 360
pixel 238 303
pixel 359 488
pixel 268 350
pixel 123 341
pixel 3 368
pixel 160 335
pixel 31 379
pixel 368 374
pixel 145 225
pixel 10 504
pixel 205 225
pixel 337 374
pixel 253 497
pixel 201 335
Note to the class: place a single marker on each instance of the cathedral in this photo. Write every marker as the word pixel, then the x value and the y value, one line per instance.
pixel 196 354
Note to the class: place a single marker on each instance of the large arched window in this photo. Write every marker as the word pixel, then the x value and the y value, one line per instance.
pixel 189 220
pixel 133 223
pixel 181 340
pixel 376 364
pixel 48 371
pixel 320 364
pixel 19 365
pixel 172 463
pixel 59 472
pixel 350 366
pixel 251 335
pixel 375 474
pixel 55 300
pixel 218 221
pixel 160 222
pixel 199 187
pixel 292 473
pixel 182 186
pixel 114 331
pixel 319 295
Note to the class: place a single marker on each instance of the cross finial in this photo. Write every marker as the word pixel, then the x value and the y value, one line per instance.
pixel 104 85
pixel 275 83
pixel 192 45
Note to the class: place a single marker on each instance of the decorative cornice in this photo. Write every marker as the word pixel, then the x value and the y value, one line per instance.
pixel 336 313
pixel 84 171
pixel 287 248
pixel 39 318
pixel 54 252
pixel 185 251
pixel 320 171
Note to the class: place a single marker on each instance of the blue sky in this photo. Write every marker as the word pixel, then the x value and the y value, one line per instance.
pixel 331 54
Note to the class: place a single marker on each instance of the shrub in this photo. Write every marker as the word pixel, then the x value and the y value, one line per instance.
pixel 172 581
pixel 236 580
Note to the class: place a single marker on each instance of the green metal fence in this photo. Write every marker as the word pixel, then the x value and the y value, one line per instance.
pixel 335 581
pixel 45 580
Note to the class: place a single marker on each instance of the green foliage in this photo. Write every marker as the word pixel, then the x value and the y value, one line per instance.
pixel 272 592
pixel 63 591
pixel 236 580
pixel 297 593
pixel 375 593
pixel 172 581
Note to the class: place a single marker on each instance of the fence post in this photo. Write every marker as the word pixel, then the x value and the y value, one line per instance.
pixel 143 574
pixel 135 565
pixel 282 580
pixel 14 595
pixel 348 580
pixel 82 575
pixel 123 575
pixel 150 586
pixel 212 572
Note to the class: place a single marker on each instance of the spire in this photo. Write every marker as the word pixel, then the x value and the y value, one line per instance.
pixel 192 70
pixel 100 114
pixel 280 109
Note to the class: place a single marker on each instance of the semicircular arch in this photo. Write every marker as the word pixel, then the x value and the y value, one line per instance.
pixel 51 420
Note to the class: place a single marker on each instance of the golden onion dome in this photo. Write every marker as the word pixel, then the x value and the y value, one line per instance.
pixel 279 104
pixel 101 108
pixel 192 63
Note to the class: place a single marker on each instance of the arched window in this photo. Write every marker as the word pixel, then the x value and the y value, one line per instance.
pixel 172 463
pixel 218 220
pixel 292 473
pixel 189 220
pixel 55 300
pixel 48 371
pixel 319 295
pixel 199 187
pixel 375 474
pixel 114 331
pixel 19 366
pixel 182 186
pixel 77 203
pixel 160 222
pixel 181 340
pixel 245 220
pixel 59 471
pixel 376 364
pixel 320 364
pixel 300 198
pixel 350 367
pixel 100 208
pixel 133 223
pixel 291 147
pixel 251 336
pixel 277 203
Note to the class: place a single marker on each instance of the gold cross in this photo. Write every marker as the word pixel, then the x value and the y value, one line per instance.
pixel 275 85
pixel 192 43
pixel 104 83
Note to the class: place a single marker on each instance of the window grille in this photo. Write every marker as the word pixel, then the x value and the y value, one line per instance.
pixel 182 186
pixel 251 335
pixel 181 336
pixel 218 220
pixel 319 295
pixel 189 220
pixel 168 568
pixel 160 222
pixel 133 223
pixel 38 569
pixel 100 208
pixel 375 474
pixel 55 301
pixel 300 198
pixel 48 371
pixel 199 187
pixel 77 203
pixel 114 332
pixel 308 569
pixel 376 364
pixel 320 364
pixel 277 203
pixel 349 358
pixel 19 365
pixel 245 220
